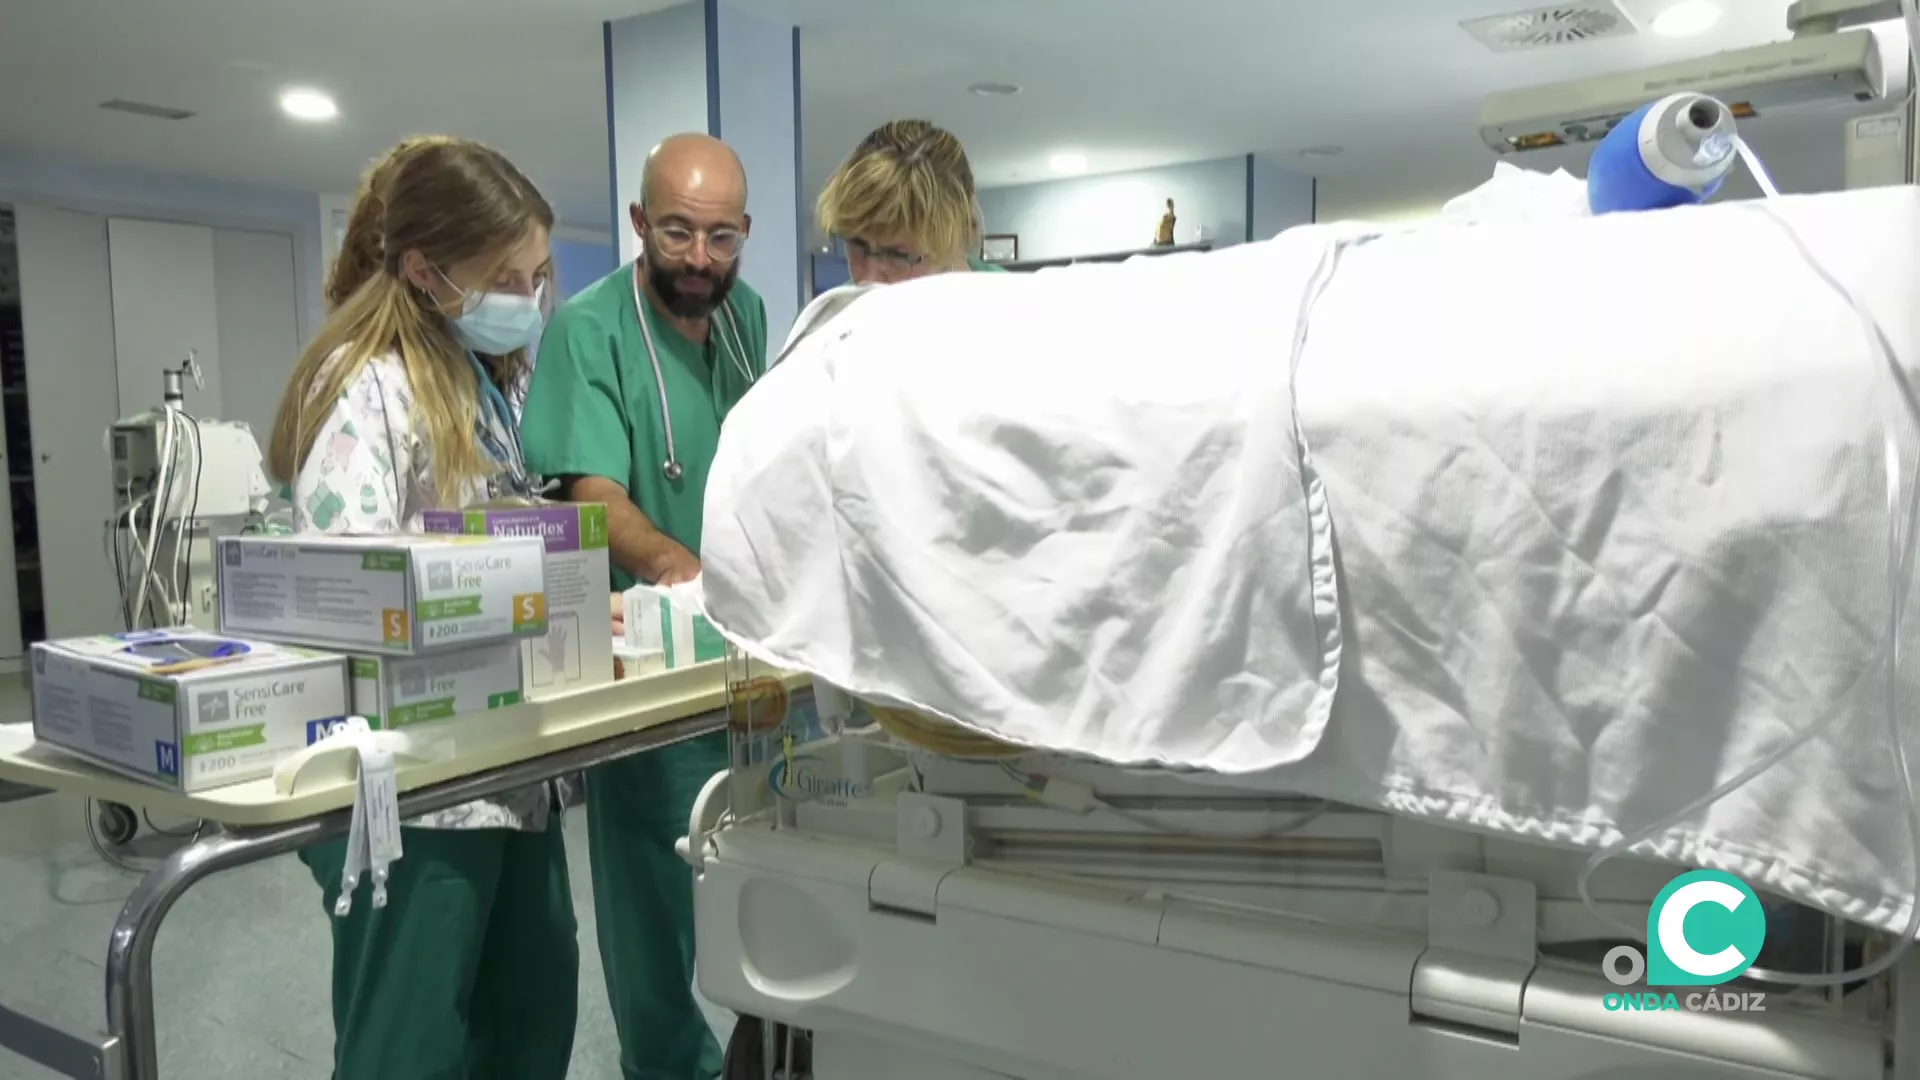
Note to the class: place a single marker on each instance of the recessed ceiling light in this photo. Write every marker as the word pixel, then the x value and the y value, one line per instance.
pixel 1068 163
pixel 1687 18
pixel 308 105
pixel 993 89
pixel 1322 151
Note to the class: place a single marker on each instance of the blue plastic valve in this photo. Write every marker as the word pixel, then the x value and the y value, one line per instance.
pixel 1674 152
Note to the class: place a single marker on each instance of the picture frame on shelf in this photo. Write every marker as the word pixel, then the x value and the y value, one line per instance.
pixel 1000 248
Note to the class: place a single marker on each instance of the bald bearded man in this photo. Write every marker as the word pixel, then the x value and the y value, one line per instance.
pixel 635 374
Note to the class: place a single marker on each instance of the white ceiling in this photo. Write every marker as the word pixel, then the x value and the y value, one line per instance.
pixel 1129 83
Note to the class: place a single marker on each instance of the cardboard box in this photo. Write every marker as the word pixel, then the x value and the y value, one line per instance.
pixel 154 705
pixel 394 692
pixel 677 634
pixel 392 595
pixel 576 651
pixel 632 663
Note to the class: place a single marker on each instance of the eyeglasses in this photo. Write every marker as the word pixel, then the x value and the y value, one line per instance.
pixel 893 258
pixel 722 245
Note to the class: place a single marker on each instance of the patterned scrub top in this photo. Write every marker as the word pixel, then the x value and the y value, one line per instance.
pixel 371 471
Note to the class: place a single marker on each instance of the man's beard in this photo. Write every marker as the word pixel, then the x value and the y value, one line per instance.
pixel 666 281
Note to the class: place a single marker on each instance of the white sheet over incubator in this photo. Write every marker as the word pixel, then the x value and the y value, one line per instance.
pixel 1607 498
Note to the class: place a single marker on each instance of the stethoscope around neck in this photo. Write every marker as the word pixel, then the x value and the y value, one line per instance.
pixel 670 468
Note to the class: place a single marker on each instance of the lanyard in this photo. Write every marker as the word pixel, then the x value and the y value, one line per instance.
pixel 670 468
pixel 495 402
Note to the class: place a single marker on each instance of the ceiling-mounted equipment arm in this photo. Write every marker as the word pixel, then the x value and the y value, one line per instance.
pixel 1808 17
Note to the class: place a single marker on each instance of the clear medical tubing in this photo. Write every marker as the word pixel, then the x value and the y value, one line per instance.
pixel 1754 166
pixel 1887 655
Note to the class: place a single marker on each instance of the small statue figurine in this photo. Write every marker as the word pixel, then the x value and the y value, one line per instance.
pixel 1164 237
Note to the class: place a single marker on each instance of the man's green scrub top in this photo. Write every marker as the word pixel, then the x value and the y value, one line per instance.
pixel 593 407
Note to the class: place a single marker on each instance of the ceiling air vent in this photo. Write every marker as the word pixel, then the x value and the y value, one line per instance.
pixel 141 108
pixel 1559 24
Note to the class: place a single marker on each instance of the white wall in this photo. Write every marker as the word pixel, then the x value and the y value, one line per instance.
pixel 657 86
pixel 1094 215
pixel 759 88
pixel 335 210
pixel 254 273
pixel 1282 198
pixel 731 71
pixel 135 193
pixel 579 262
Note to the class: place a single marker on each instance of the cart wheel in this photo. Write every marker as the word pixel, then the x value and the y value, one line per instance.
pixel 745 1058
pixel 746 1053
pixel 801 1067
pixel 118 823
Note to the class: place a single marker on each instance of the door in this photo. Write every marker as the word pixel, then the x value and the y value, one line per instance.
pixel 259 331
pixel 66 300
pixel 15 452
pixel 163 308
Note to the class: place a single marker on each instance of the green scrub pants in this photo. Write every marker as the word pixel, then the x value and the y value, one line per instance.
pixel 643 903
pixel 471 971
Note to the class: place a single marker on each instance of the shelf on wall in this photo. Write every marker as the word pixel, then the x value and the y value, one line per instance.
pixel 1027 265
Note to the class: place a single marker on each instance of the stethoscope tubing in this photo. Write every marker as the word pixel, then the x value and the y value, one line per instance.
pixel 737 352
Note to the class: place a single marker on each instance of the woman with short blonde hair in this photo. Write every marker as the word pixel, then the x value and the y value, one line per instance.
pixel 904 205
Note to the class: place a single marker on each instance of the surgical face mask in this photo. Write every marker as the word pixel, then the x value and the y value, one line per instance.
pixel 497 323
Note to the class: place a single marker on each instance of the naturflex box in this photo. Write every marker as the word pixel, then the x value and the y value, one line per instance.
pixel 394 692
pixel 394 595
pixel 163 707
pixel 577 650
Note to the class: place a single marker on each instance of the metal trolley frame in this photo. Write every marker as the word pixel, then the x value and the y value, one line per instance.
pixel 128 1050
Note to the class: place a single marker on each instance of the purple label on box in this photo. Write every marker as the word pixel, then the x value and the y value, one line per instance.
pixel 558 525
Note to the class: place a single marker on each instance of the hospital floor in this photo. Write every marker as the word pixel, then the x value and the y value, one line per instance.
pixel 240 965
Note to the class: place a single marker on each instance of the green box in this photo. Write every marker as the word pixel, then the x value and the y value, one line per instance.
pixel 395 692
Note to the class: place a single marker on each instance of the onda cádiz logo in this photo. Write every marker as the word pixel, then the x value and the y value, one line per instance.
pixel 1705 929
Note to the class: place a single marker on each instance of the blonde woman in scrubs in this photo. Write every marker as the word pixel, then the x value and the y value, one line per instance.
pixel 402 404
pixel 903 205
